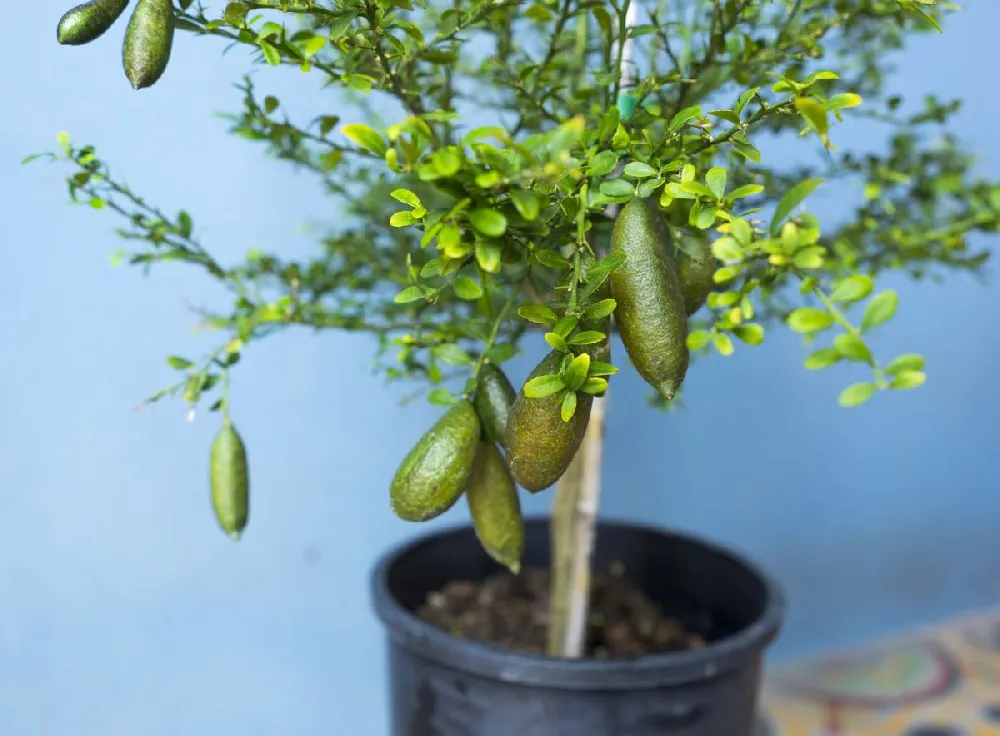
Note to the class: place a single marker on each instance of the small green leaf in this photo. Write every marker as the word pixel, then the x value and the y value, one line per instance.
pixel 565 326
pixel 576 372
pixel 747 190
pixel 716 180
pixel 537 313
pixel 792 199
pixel 852 289
pixel 409 294
pixel 488 222
pixel 723 343
pixel 526 203
pixel 552 259
pixel 880 309
pixel 905 380
pixel 542 386
pixel 857 394
pixel 902 363
pixel 556 342
pixel 594 385
pixel 597 369
pixel 841 101
pixel 488 255
pixel 681 118
pixel 814 112
pixel 451 354
pixel 179 363
pixel 600 310
pixel 406 197
pixel 809 320
pixel 365 137
pixel 587 337
pixel 823 358
pixel 441 397
pixel 852 347
pixel 466 288
pixel 603 163
pixel 639 170
pixel 698 339
pixel 751 334
pixel 568 408
pixel 402 218
pixel 271 54
pixel 617 187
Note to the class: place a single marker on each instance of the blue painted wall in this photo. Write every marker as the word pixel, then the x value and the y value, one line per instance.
pixel 124 611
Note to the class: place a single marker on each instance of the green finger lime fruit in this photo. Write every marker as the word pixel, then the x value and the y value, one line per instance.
pixel 540 445
pixel 434 474
pixel 495 507
pixel 89 21
pixel 148 42
pixel 696 266
pixel 230 480
pixel 493 398
pixel 650 311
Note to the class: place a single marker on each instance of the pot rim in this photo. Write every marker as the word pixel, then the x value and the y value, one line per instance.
pixel 653 670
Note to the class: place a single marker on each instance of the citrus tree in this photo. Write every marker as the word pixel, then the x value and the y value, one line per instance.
pixel 553 172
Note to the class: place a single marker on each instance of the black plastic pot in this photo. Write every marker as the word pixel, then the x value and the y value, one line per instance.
pixel 445 686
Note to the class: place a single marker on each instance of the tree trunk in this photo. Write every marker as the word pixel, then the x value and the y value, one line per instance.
pixel 574 518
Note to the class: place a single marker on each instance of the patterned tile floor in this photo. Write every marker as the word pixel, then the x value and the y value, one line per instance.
pixel 942 681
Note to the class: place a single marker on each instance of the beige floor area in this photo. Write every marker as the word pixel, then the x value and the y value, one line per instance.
pixel 938 681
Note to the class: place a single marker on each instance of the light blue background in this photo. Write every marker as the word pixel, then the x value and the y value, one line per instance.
pixel 124 611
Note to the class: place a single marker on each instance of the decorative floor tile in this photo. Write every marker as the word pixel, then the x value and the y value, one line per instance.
pixel 942 681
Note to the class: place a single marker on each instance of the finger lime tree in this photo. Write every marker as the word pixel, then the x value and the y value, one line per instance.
pixel 601 174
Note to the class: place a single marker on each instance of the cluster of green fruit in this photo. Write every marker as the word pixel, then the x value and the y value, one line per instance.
pixel 652 293
pixel 148 40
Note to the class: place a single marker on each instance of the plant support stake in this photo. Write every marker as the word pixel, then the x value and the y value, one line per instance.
pixel 577 498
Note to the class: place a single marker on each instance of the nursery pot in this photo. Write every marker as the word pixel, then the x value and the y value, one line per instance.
pixel 441 685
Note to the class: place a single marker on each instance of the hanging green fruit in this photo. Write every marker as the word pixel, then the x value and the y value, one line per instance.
pixel 434 474
pixel 493 398
pixel 495 507
pixel 696 266
pixel 230 480
pixel 540 445
pixel 650 312
pixel 148 42
pixel 89 21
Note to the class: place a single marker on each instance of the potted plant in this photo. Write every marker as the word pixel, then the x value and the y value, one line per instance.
pixel 556 173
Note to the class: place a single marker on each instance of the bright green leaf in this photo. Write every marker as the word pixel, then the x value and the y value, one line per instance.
pixel 576 372
pixel 488 222
pixel 792 199
pixel 537 313
pixel 365 137
pixel 451 354
pixel 852 347
pixel 542 386
pixel 808 319
pixel 639 170
pixel 716 181
pixel 880 309
pixel 751 334
pixel 466 288
pixel 823 358
pixel 904 363
pixel 857 394
pixel 905 380
pixel 568 407
pixel 852 288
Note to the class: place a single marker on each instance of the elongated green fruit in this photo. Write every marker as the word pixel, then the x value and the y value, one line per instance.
pixel 434 474
pixel 540 445
pixel 650 313
pixel 148 41
pixel 493 399
pixel 230 480
pixel 496 508
pixel 89 21
pixel 695 265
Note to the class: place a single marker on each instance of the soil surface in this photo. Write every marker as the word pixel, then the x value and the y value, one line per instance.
pixel 511 612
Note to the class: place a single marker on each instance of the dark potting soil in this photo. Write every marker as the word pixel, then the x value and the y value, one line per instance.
pixel 511 612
